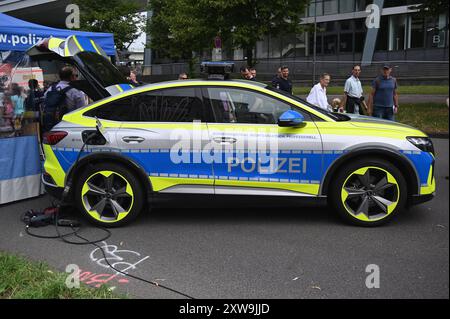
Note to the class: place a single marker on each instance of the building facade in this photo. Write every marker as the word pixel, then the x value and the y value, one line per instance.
pixel 417 47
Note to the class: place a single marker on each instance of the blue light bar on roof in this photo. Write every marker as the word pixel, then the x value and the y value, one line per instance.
pixel 217 70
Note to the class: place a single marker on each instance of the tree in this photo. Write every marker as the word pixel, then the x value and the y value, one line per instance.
pixel 431 8
pixel 120 17
pixel 191 25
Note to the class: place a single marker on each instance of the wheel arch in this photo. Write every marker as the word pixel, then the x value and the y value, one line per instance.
pixel 394 157
pixel 101 157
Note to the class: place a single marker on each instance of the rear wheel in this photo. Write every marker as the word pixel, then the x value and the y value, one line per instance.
pixel 368 192
pixel 109 195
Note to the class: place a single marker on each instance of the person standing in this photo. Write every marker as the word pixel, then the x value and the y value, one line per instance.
pixel 353 93
pixel 283 82
pixel 383 100
pixel 246 74
pixel 253 73
pixel 61 98
pixel 182 76
pixel 133 79
pixel 318 94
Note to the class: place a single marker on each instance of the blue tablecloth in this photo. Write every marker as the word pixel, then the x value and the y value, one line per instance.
pixel 20 168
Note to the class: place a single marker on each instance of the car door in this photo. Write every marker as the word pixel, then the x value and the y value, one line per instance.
pixel 163 132
pixel 256 155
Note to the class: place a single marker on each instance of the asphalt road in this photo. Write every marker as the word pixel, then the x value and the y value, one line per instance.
pixel 289 252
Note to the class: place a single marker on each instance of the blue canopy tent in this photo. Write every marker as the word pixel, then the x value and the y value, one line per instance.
pixel 20 168
pixel 19 35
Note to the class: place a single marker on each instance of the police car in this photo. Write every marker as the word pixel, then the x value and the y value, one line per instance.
pixel 225 137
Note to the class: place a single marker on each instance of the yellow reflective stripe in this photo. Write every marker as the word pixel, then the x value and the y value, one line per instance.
pixel 161 183
pixel 52 166
pixel 119 88
pixel 77 43
pixel 431 185
pixel 311 189
pixel 54 43
pixel 95 47
pixel 66 51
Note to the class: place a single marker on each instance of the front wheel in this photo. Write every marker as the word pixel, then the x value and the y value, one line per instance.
pixel 368 192
pixel 109 195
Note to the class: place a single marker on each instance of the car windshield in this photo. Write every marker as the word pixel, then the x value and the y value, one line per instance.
pixel 335 116
pixel 100 68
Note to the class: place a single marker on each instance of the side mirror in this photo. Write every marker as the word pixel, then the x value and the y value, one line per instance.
pixel 290 119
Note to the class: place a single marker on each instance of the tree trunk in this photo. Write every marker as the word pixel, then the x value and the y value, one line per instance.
pixel 249 55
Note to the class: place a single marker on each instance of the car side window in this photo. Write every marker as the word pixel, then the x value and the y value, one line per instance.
pixel 243 106
pixel 167 105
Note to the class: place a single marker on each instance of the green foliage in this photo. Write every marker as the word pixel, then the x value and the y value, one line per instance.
pixel 20 278
pixel 180 27
pixel 432 8
pixel 120 17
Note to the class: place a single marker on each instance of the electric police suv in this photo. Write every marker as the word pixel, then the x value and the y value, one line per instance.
pixel 224 137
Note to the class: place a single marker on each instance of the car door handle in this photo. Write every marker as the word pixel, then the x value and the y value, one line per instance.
pixel 224 140
pixel 133 139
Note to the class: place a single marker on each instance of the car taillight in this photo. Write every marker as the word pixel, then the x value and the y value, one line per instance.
pixel 53 137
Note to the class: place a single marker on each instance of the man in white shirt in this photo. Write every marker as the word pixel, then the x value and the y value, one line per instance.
pixel 318 94
pixel 353 93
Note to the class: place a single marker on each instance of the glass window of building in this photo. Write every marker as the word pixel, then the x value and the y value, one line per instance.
pixel 383 34
pixel 330 44
pixel 346 6
pixel 436 32
pixel 417 34
pixel 346 42
pixel 361 5
pixel 262 49
pixel 330 7
pixel 345 25
pixel 318 44
pixel 315 5
pixel 397 30
pixel 275 47
pixel 331 26
pixel 360 39
pixel 289 46
pixel 395 3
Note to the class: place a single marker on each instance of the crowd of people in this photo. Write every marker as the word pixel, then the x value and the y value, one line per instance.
pixel 382 100
pixel 45 105
pixel 20 106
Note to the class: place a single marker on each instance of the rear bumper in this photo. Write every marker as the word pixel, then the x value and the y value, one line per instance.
pixel 50 188
pixel 54 191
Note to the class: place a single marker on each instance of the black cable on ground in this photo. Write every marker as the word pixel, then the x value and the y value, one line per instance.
pixel 75 232
pixel 131 276
pixel 86 241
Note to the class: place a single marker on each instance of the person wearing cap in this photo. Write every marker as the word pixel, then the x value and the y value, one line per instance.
pixel 383 100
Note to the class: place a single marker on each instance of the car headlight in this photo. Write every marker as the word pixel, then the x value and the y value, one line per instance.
pixel 423 143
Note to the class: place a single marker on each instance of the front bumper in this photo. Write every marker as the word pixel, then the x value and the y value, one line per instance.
pixel 419 199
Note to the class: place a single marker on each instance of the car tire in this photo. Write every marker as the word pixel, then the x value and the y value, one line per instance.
pixel 368 192
pixel 109 195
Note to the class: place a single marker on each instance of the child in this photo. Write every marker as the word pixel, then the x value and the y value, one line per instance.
pixel 18 101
